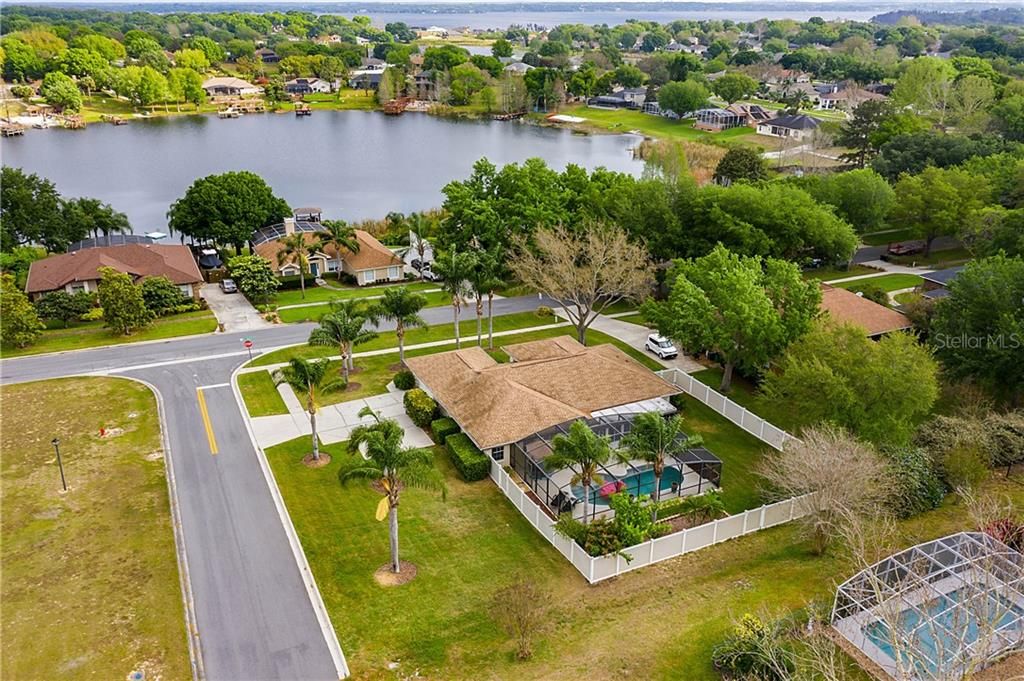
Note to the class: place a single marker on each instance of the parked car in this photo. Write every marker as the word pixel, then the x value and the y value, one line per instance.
pixel 906 248
pixel 428 274
pixel 661 346
pixel 228 286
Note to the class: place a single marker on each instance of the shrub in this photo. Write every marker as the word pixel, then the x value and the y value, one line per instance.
pixel 753 650
pixel 1007 530
pixel 293 282
pixel 916 484
pixel 597 538
pixel 161 295
pixel 1007 433
pixel 471 463
pixel 964 469
pixel 545 311
pixel 633 523
pixel 187 307
pixel 93 315
pixel 875 294
pixel 22 91
pixel 404 380
pixel 442 428
pixel 420 407
pixel 521 608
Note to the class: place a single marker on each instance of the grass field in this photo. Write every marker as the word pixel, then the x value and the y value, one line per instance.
pixel 886 282
pixel 260 394
pixel 344 99
pixel 620 120
pixel 318 294
pixel 937 259
pixel 92 334
pixel 652 623
pixel 312 313
pixel 889 236
pixel 90 581
pixel 829 273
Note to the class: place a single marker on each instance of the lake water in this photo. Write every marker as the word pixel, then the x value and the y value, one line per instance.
pixel 353 164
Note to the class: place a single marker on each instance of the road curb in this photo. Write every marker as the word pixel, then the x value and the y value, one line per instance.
pixel 191 623
pixel 316 600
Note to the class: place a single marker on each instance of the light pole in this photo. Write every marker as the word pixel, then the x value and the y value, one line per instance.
pixel 56 446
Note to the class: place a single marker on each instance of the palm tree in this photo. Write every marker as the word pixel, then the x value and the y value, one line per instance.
pixel 341 235
pixel 584 452
pixel 455 269
pixel 392 466
pixel 485 278
pixel 294 249
pixel 309 379
pixel 417 225
pixel 401 306
pixel 654 439
pixel 343 327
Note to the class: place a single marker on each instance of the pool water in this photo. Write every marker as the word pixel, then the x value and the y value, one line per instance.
pixel 637 484
pixel 939 644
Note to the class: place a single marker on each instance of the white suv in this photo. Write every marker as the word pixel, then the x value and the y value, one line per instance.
pixel 661 346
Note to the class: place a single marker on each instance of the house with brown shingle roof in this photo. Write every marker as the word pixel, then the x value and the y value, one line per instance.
pixel 79 270
pixel 847 307
pixel 372 263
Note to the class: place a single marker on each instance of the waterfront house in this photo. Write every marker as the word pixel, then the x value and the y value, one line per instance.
pixel 78 270
pixel 850 308
pixel 307 86
pixel 733 116
pixel 512 411
pixel 626 98
pixel 229 86
pixel 797 126
pixel 373 263
pixel 365 79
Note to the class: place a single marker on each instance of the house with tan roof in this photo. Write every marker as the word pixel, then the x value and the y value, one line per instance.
pixel 229 86
pixel 847 307
pixel 513 411
pixel 79 270
pixel 372 263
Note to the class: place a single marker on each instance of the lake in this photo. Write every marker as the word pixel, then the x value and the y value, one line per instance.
pixel 353 164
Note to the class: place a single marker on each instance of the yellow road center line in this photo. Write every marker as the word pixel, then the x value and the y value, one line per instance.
pixel 206 421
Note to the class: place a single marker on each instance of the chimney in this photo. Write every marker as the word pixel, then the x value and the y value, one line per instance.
pixel 289 226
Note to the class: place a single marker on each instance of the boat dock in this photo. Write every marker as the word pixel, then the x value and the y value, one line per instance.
pixel 302 109
pixel 11 129
pixel 230 112
pixel 113 120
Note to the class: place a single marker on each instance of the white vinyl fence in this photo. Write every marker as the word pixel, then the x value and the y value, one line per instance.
pixel 655 550
pixel 741 416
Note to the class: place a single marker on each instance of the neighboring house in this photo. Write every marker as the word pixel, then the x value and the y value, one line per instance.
pixel 848 307
pixel 425 86
pixel 845 99
pixel 797 126
pixel 79 270
pixel 306 86
pixel 518 67
pixel 229 86
pixel 513 411
pixel 374 262
pixel 626 98
pixel 364 79
pixel 412 252
pixel 733 116
pixel 936 284
pixel 371 64
pixel 267 55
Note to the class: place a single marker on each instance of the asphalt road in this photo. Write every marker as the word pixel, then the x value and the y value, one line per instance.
pixel 255 617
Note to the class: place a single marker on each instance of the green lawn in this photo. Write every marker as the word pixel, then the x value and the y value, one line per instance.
pixel 886 282
pixel 621 120
pixel 260 394
pixel 637 318
pixel 649 624
pixel 344 99
pixel 313 313
pixel 90 585
pixel 829 273
pixel 92 334
pixel 938 259
pixel 437 332
pixel 333 291
pixel 888 236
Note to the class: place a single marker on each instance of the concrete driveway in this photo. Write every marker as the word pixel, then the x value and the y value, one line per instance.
pixel 233 310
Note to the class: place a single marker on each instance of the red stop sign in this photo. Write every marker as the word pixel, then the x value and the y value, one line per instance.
pixel 248 343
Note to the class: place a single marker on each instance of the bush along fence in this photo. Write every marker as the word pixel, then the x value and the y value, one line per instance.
pixel 741 416
pixel 598 568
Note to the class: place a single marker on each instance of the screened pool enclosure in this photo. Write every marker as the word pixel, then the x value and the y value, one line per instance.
pixel 692 471
pixel 936 610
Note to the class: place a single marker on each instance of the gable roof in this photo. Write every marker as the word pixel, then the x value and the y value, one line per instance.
pixel 139 260
pixel 372 253
pixel 555 382
pixel 227 81
pixel 795 122
pixel 847 306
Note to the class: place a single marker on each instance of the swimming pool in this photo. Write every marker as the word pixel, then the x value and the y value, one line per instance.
pixel 637 484
pixel 938 644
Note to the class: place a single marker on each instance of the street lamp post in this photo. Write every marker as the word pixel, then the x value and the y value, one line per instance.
pixel 56 446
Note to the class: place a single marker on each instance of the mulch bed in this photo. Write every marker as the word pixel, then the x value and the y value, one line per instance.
pixel 353 386
pixel 310 462
pixel 385 577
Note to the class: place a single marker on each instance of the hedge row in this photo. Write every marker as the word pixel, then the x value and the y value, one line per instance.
pixel 420 407
pixel 471 463
pixel 442 428
pixel 292 282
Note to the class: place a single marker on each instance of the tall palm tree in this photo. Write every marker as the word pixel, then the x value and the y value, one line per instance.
pixel 341 235
pixel 654 439
pixel 392 466
pixel 399 305
pixel 487 272
pixel 584 451
pixel 295 250
pixel 455 270
pixel 309 379
pixel 343 327
pixel 417 224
